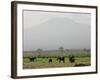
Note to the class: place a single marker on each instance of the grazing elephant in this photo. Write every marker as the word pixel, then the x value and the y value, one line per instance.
pixel 32 59
pixel 50 60
pixel 72 59
pixel 61 59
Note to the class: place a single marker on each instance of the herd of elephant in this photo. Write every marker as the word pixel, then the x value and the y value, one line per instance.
pixel 59 59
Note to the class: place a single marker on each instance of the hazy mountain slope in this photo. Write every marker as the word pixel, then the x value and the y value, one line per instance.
pixel 57 32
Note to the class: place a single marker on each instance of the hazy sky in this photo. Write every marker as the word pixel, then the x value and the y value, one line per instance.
pixel 50 30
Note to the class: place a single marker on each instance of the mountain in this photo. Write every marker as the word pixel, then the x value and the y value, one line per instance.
pixel 57 32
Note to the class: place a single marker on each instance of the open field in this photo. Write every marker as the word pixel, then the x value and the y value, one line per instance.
pixel 48 59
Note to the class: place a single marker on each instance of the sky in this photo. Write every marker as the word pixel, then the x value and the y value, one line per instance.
pixel 51 30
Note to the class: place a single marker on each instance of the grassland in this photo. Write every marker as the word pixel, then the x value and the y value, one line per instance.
pixel 42 58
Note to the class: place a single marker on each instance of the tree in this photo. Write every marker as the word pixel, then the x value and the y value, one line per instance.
pixel 84 49
pixel 61 49
pixel 67 50
pixel 39 50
